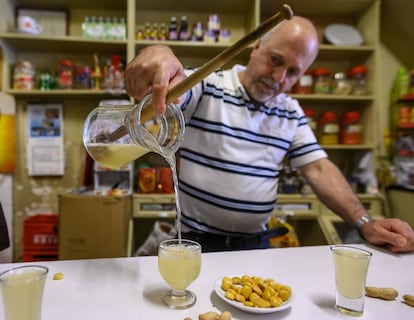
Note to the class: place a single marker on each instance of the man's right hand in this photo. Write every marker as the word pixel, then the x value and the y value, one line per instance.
pixel 153 71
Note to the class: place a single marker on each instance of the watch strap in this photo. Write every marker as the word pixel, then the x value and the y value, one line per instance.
pixel 361 221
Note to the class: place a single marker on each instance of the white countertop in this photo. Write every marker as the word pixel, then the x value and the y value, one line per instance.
pixel 131 288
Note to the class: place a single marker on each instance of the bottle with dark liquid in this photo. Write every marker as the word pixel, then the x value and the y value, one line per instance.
pixel 183 34
pixel 172 30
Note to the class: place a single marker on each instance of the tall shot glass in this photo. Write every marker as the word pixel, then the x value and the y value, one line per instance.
pixel 22 290
pixel 351 267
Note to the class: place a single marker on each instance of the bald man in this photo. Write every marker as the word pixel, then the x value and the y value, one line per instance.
pixel 240 126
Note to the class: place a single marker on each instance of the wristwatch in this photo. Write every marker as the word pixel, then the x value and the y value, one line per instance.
pixel 361 221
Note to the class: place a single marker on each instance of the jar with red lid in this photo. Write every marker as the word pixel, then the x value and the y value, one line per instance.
pixel 321 80
pixel 351 128
pixel 310 115
pixel 305 84
pixel 328 128
pixel 358 77
pixel 66 74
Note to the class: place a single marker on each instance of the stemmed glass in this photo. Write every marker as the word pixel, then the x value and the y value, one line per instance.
pixel 179 263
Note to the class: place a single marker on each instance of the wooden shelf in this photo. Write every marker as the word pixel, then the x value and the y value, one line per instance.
pixel 98 94
pixel 40 44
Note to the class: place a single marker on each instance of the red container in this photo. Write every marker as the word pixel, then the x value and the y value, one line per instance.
pixel 40 233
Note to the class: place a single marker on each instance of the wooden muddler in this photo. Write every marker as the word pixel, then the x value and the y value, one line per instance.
pixel 213 64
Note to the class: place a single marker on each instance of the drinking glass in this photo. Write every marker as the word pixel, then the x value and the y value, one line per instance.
pixel 179 263
pixel 22 290
pixel 351 267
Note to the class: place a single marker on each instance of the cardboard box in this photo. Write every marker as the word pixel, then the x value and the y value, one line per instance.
pixel 93 226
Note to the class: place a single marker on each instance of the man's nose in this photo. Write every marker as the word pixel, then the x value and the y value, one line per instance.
pixel 279 75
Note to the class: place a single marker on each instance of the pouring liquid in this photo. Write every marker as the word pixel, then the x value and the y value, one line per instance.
pixel 171 160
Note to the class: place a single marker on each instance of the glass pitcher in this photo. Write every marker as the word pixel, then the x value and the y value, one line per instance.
pixel 116 135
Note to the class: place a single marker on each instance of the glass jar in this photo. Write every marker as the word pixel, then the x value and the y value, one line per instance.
pixel 328 128
pixel 321 80
pixel 351 128
pixel 310 115
pixel 24 76
pixel 358 77
pixel 115 135
pixel 341 84
pixel 65 78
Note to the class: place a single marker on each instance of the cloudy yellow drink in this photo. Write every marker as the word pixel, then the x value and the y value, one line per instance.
pixel 179 265
pixel 351 266
pixel 22 290
pixel 115 155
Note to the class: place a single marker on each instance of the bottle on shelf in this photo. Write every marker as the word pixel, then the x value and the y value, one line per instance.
pixel 85 26
pixel 154 31
pixel 172 29
pixel 162 32
pixel 214 26
pixel 198 32
pixel 183 33
pixel 147 31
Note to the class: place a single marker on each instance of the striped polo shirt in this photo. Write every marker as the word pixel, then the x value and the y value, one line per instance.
pixel 232 154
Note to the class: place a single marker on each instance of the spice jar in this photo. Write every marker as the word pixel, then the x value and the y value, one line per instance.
pixel 341 84
pixel 328 128
pixel 351 128
pixel 24 76
pixel 305 84
pixel 358 80
pixel 322 80
pixel 310 115
pixel 65 79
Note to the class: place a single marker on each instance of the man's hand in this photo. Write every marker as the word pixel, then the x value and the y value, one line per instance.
pixel 154 70
pixel 396 234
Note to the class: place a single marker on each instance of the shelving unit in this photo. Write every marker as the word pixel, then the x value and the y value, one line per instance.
pixel 240 16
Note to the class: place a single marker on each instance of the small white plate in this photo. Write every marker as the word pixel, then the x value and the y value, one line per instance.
pixel 241 306
pixel 343 34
